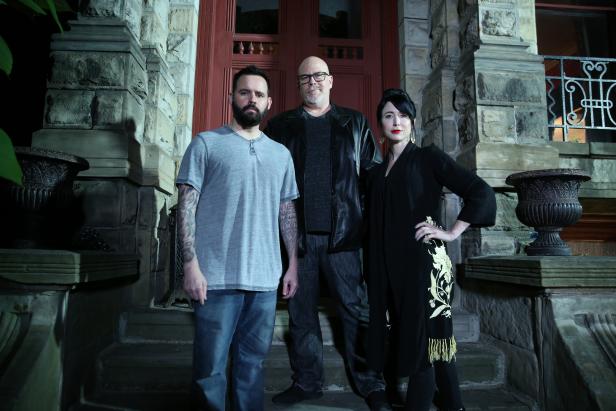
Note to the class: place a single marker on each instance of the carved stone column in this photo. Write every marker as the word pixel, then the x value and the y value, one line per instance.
pixel 182 57
pixel 112 100
pixel 501 90
pixel 415 51
pixel 501 107
pixel 95 98
pixel 438 115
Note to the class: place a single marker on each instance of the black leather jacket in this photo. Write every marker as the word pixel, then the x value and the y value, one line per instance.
pixel 353 153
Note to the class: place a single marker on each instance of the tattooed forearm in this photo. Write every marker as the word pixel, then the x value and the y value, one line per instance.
pixel 188 199
pixel 288 227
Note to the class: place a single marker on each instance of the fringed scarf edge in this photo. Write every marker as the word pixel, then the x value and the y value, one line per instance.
pixel 442 349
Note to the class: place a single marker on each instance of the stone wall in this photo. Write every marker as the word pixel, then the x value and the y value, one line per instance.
pixel 595 232
pixel 87 336
pixel 538 364
pixel 597 159
pixel 553 319
pixel 58 310
pixel 414 42
pixel 120 95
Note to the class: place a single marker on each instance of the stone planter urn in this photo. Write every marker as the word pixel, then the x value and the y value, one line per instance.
pixel 34 208
pixel 548 201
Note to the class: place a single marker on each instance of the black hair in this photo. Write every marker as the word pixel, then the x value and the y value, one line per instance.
pixel 400 99
pixel 251 70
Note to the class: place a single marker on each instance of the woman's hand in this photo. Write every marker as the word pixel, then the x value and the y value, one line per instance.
pixel 426 232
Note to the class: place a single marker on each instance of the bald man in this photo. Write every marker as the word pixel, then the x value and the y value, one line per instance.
pixel 332 147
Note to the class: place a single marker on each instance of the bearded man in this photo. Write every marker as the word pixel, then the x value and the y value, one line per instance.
pixel 236 192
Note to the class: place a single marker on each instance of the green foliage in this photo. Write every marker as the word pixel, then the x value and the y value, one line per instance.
pixel 54 13
pixel 6 58
pixel 9 167
pixel 54 7
pixel 30 4
pixel 42 7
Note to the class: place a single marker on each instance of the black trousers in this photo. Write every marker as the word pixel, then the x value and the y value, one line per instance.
pixel 342 272
pixel 447 386
pixel 441 377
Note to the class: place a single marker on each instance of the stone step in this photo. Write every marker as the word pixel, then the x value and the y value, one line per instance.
pixel 474 400
pixel 479 365
pixel 157 325
pixel 145 367
pixel 278 370
pixel 153 367
pixel 465 325
pixel 328 319
pixel 175 325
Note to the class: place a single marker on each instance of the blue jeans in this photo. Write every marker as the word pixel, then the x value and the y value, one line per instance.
pixel 342 271
pixel 239 321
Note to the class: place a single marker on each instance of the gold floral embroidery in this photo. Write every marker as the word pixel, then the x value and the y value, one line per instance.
pixel 441 279
pixel 441 282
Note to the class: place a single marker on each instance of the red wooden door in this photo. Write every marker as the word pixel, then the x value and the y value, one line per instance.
pixel 357 38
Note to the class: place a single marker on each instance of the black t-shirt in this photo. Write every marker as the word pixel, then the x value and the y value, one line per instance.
pixel 318 174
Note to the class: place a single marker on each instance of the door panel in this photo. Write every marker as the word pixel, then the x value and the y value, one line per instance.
pixel 357 64
pixel 350 91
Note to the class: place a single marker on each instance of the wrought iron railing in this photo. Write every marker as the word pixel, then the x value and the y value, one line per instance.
pixel 581 95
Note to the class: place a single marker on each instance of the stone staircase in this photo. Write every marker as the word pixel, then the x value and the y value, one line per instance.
pixel 150 368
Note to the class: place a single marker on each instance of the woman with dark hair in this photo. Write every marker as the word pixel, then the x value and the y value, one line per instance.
pixel 408 272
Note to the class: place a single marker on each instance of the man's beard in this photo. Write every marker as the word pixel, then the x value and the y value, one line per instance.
pixel 247 119
pixel 319 99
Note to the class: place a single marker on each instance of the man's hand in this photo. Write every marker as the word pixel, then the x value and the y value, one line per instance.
pixel 289 283
pixel 195 283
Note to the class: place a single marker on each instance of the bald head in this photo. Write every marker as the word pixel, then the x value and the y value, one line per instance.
pixel 313 63
pixel 315 83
